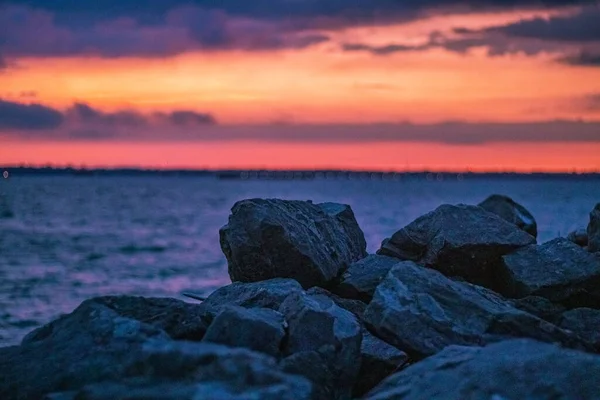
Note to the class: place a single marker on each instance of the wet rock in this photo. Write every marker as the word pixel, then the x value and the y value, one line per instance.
pixel 540 307
pixel 258 329
pixel 265 294
pixel 593 230
pixel 361 278
pixel 312 243
pixel 458 240
pixel 93 343
pixel 558 270
pixel 579 237
pixel 420 311
pixel 515 369
pixel 511 211
pixel 585 322
pixel 378 361
pixel 323 343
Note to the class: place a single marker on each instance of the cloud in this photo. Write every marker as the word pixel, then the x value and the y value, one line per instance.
pixel 187 118
pixel 28 117
pixel 84 113
pixel 583 59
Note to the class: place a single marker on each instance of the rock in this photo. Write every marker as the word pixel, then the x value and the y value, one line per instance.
pixel 458 240
pixel 511 211
pixel 361 278
pixel 324 343
pixel 540 307
pixel 265 294
pixel 312 243
pixel 585 322
pixel 93 343
pixel 356 307
pixel 593 230
pixel 515 369
pixel 420 311
pixel 258 329
pixel 558 270
pixel 579 237
pixel 378 361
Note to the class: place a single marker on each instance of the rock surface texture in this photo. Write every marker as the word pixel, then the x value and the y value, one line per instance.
pixel 511 211
pixel 312 243
pixel 361 278
pixel 593 230
pixel 460 240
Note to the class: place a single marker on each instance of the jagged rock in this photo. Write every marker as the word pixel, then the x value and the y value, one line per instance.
pixel 312 243
pixel 593 230
pixel 420 311
pixel 579 237
pixel 323 342
pixel 356 307
pixel 93 343
pixel 265 294
pixel 540 307
pixel 378 360
pixel 558 270
pixel 585 322
pixel 515 369
pixel 258 329
pixel 361 278
pixel 458 240
pixel 511 211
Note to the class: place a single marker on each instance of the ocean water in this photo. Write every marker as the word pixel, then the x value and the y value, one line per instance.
pixel 74 237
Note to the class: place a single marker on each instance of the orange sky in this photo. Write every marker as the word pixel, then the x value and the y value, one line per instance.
pixel 324 85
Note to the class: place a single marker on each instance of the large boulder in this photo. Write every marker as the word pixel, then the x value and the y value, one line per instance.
pixel 265 294
pixel 361 278
pixel 540 307
pixel 515 369
pixel 579 237
pixel 258 329
pixel 585 322
pixel 511 211
pixel 593 230
pixel 378 360
pixel 420 311
pixel 312 243
pixel 558 270
pixel 459 240
pixel 323 344
pixel 356 307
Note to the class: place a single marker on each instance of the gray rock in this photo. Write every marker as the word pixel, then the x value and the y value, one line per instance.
pixel 378 361
pixel 510 370
pixel 558 270
pixel 420 311
pixel 93 343
pixel 258 329
pixel 361 278
pixel 593 230
pixel 511 211
pixel 312 243
pixel 585 322
pixel 356 307
pixel 458 240
pixel 579 237
pixel 265 294
pixel 324 343
pixel 540 307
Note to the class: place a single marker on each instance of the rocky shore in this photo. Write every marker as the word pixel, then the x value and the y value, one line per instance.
pixel 462 303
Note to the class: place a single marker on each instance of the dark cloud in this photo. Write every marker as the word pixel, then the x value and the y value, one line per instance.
pixel 17 116
pixel 84 113
pixel 583 59
pixel 188 118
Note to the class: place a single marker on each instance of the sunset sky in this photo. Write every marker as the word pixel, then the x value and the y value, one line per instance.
pixel 377 84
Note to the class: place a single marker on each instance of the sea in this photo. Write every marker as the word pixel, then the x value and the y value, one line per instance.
pixel 64 239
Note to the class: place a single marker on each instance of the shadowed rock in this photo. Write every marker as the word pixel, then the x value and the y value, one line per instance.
pixel 540 307
pixel 378 360
pixel 579 237
pixel 356 307
pixel 258 329
pixel 459 240
pixel 593 230
pixel 323 344
pixel 511 211
pixel 420 311
pixel 585 322
pixel 312 243
pixel 361 278
pixel 558 270
pixel 515 369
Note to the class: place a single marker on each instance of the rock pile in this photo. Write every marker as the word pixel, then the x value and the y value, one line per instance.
pixel 461 303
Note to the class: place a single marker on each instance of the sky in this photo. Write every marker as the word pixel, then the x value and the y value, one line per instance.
pixel 484 85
